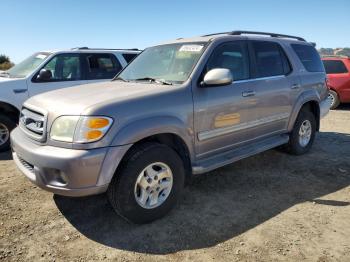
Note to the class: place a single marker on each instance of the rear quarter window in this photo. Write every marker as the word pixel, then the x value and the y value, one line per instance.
pixel 129 57
pixel 334 67
pixel 102 66
pixel 309 57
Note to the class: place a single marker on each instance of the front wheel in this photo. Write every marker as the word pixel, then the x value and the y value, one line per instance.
pixel 6 126
pixel 148 184
pixel 303 133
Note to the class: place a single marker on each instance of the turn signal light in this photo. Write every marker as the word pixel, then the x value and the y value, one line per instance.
pixel 98 123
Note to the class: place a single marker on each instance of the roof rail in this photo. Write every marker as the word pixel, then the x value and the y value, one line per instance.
pixel 259 33
pixel 265 33
pixel 87 48
pixel 79 48
pixel 222 33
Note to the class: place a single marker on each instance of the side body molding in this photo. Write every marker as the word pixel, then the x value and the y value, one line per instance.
pixel 306 96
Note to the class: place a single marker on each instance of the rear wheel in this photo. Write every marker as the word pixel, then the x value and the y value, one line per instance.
pixel 334 99
pixel 148 184
pixel 303 133
pixel 6 126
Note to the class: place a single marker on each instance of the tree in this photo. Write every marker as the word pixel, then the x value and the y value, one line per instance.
pixel 335 51
pixel 344 51
pixel 326 51
pixel 4 59
pixel 5 62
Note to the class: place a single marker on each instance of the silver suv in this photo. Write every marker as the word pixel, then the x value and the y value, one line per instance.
pixel 183 107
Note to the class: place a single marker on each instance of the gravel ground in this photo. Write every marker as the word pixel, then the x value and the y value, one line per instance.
pixel 269 207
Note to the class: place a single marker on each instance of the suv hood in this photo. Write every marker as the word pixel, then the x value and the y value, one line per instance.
pixel 8 79
pixel 8 85
pixel 76 100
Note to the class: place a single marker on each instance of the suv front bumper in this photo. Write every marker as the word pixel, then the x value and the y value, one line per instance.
pixel 63 171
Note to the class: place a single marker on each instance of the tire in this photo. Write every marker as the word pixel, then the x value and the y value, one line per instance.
pixel 6 126
pixel 334 98
pixel 124 190
pixel 295 145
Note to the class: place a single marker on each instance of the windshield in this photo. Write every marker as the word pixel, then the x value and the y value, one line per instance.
pixel 27 66
pixel 170 63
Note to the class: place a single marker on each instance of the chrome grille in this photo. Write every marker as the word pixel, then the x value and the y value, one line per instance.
pixel 33 123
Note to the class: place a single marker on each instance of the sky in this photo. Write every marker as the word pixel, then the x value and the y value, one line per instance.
pixel 37 25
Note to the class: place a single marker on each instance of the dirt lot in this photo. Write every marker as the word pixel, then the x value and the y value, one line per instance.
pixel 272 206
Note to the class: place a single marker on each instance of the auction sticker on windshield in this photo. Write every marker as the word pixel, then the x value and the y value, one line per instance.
pixel 191 48
pixel 41 56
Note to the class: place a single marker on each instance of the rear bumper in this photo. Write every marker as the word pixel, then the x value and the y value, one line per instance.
pixel 63 171
pixel 324 107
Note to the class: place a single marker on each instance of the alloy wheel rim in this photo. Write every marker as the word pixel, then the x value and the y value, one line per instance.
pixel 153 185
pixel 305 132
pixel 331 97
pixel 4 134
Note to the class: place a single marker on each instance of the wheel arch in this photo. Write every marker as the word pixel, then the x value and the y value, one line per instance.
pixel 311 102
pixel 167 130
pixel 143 129
pixel 6 108
pixel 171 140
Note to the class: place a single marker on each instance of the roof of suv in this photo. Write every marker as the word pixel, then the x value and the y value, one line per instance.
pixel 241 34
pixel 95 50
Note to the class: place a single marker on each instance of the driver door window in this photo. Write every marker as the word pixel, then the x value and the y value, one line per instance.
pixel 64 67
pixel 233 56
pixel 65 72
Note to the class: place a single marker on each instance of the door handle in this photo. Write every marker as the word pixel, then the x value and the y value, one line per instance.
pixel 17 91
pixel 248 93
pixel 295 86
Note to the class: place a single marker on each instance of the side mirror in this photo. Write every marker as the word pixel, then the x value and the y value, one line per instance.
pixel 44 75
pixel 217 77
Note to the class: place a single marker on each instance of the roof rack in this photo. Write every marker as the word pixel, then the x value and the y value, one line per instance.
pixel 87 48
pixel 259 33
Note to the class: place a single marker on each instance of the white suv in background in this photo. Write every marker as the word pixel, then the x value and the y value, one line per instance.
pixel 50 70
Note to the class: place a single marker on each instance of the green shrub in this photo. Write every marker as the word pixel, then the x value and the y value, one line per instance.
pixel 6 65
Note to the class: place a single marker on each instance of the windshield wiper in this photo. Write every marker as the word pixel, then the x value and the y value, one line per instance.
pixel 158 81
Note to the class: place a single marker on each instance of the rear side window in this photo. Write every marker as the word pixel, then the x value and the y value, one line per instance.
pixel 270 59
pixel 334 67
pixel 309 57
pixel 129 57
pixel 233 56
pixel 102 66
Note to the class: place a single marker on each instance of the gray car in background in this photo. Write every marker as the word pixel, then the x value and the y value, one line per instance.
pixel 183 107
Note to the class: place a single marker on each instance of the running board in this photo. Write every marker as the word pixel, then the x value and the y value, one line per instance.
pixel 229 157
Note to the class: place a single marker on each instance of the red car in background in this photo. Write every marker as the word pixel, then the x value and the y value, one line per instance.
pixel 338 73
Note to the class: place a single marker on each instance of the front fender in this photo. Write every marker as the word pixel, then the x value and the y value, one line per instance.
pixel 140 129
pixel 306 96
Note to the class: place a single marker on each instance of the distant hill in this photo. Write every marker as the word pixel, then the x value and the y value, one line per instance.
pixel 335 51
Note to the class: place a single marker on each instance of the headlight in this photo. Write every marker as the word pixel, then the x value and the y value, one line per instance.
pixel 84 129
pixel 63 128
